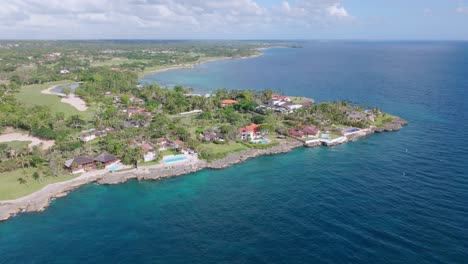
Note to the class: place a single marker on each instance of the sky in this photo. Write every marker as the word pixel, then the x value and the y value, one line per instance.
pixel 235 19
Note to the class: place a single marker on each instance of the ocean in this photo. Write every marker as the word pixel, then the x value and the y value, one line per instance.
pixel 399 197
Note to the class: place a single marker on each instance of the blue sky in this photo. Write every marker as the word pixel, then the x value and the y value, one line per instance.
pixel 235 19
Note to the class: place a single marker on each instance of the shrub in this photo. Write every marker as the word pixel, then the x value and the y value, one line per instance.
pixel 44 132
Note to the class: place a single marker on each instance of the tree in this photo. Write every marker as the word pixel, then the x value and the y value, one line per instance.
pixel 67 90
pixel 258 119
pixel 21 180
pixel 36 176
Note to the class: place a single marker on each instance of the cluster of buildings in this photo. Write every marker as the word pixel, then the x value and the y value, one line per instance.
pixel 91 134
pixel 282 104
pixel 132 100
pixel 150 150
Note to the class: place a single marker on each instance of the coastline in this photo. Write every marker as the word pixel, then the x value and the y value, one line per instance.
pixel 40 200
pixel 145 74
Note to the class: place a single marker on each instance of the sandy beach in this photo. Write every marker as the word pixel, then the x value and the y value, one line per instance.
pixel 46 144
pixel 192 65
pixel 76 102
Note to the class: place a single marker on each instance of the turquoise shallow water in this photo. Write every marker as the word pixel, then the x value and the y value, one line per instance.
pixel 390 198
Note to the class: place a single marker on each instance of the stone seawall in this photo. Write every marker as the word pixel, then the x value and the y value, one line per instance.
pixel 40 200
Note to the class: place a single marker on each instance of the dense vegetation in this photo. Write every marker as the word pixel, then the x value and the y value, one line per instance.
pixel 32 62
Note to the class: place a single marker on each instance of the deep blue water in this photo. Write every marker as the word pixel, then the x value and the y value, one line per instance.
pixel 390 198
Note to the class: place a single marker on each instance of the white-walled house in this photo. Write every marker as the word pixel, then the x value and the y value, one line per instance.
pixel 149 154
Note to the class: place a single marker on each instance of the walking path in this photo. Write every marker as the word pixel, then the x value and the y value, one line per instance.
pixel 46 144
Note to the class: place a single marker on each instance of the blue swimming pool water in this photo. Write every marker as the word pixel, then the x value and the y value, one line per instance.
pixel 114 167
pixel 175 159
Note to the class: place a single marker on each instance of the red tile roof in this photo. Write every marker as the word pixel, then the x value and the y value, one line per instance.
pixel 253 128
pixel 278 97
pixel 229 101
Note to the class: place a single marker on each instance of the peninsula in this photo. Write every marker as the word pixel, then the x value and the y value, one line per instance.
pixel 123 129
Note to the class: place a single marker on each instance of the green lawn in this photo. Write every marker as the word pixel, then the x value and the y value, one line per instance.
pixel 31 95
pixel 213 151
pixel 297 100
pixel 115 62
pixel 168 152
pixel 382 119
pixel 16 144
pixel 10 188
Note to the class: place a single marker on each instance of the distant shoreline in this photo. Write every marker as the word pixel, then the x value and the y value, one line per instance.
pixel 145 74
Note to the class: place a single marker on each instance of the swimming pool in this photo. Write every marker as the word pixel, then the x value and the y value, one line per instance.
pixel 114 167
pixel 352 130
pixel 175 159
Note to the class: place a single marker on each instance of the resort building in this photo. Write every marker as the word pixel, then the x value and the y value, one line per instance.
pixel 149 154
pixel 106 159
pixel 304 131
pixel 79 164
pixel 283 104
pixel 211 136
pixel 92 134
pixel 165 144
pixel 228 102
pixel 251 132
pixel 87 135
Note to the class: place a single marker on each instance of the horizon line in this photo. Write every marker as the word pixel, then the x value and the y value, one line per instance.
pixel 227 39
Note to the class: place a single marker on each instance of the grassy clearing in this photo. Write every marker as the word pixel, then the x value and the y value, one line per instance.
pixel 168 152
pixel 297 100
pixel 261 146
pixel 213 151
pixel 114 62
pixel 10 188
pixel 16 144
pixel 31 95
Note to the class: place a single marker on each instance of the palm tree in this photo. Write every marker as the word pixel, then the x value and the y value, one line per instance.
pixel 22 181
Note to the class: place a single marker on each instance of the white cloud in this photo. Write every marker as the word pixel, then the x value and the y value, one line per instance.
pixel 462 10
pixel 337 10
pixel 162 18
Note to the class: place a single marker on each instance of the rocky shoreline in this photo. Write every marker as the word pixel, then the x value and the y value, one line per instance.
pixel 40 200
